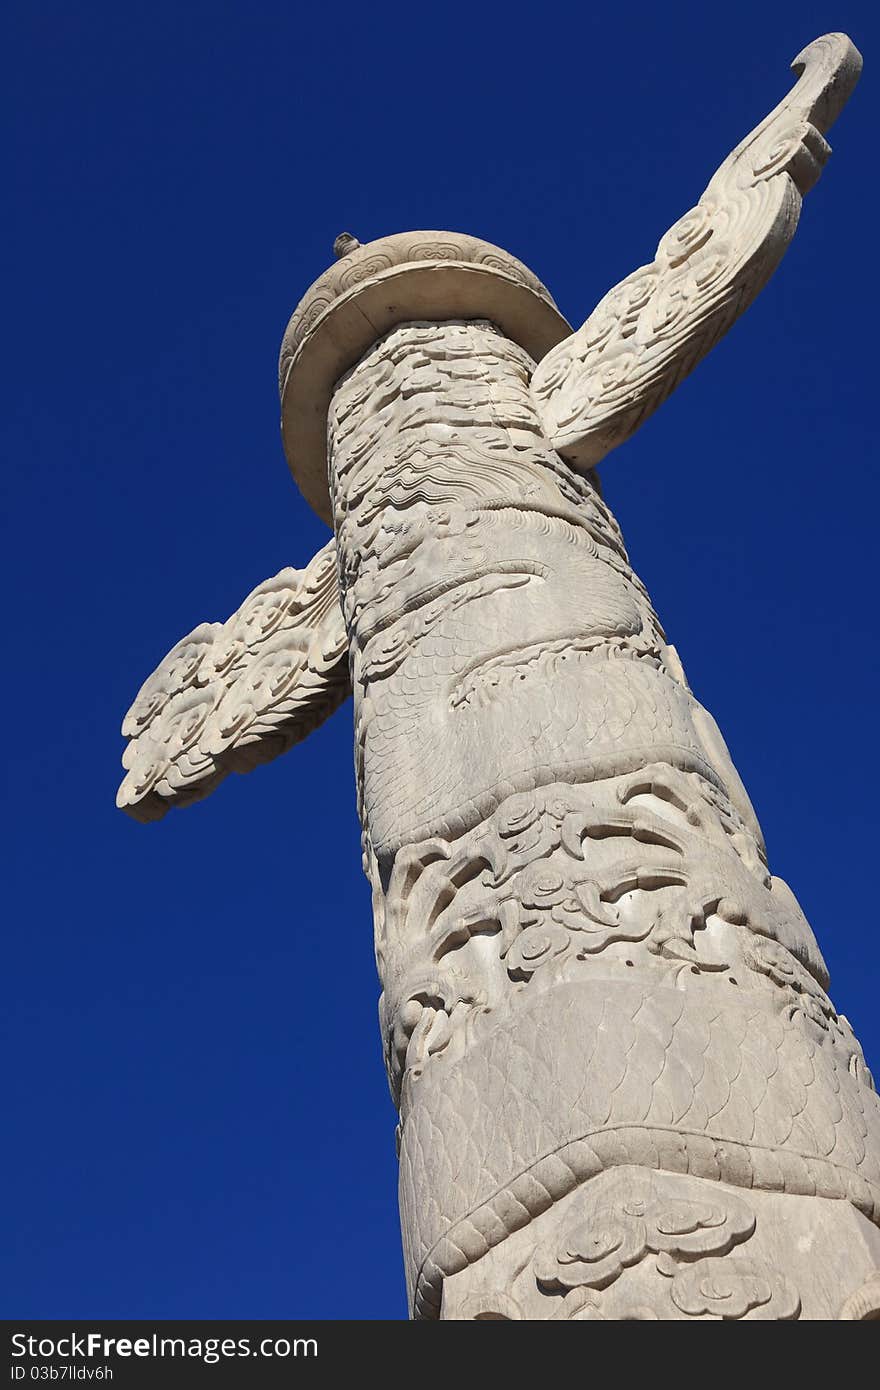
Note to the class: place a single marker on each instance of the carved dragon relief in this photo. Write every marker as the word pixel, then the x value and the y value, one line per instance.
pixel 592 391
pixel 606 1024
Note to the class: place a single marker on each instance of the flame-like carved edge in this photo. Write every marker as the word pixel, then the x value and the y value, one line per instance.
pixel 597 387
pixel 230 696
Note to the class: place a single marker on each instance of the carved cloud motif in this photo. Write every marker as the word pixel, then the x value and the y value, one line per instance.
pixel 597 387
pixel 232 695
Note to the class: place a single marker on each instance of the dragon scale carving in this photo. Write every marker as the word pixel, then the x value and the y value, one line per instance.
pixel 624 1090
pixel 571 892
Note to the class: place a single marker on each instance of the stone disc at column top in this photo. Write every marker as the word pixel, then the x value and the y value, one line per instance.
pixel 410 277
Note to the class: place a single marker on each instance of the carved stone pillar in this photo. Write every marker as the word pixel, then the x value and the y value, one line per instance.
pixel 623 1089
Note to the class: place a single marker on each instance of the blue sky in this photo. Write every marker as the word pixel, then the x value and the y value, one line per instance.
pixel 199 1123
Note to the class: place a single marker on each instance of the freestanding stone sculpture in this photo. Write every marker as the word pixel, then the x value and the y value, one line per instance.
pixel 624 1091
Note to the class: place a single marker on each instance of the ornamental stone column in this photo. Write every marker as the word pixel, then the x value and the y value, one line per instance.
pixel 624 1091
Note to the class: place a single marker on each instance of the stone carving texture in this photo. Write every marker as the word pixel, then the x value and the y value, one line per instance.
pixel 232 695
pixel 375 260
pixel 598 387
pixel 624 1090
pixel 585 959
pixel 682 1229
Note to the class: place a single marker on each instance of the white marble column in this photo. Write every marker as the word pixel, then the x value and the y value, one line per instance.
pixel 624 1091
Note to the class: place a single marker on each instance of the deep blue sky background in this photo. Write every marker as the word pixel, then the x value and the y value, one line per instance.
pixel 198 1119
